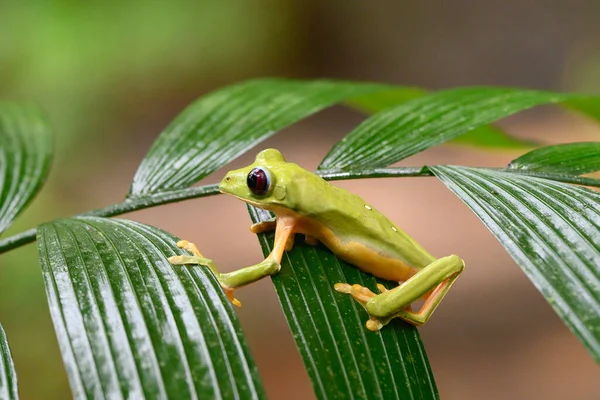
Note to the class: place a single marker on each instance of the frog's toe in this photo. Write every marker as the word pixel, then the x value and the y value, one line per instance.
pixel 343 288
pixel 189 246
pixel 230 296
pixel 263 226
pixel 187 260
pixel 360 293
pixel 373 324
pixel 176 260
pixel 382 289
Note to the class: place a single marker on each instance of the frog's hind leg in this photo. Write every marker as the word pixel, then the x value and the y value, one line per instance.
pixel 433 282
pixel 439 276
pixel 362 295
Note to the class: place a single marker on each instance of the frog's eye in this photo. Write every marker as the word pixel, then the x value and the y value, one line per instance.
pixel 259 181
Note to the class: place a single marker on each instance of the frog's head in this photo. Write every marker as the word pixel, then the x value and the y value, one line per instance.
pixel 262 184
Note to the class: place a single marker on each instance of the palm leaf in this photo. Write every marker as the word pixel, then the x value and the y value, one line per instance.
pixel 130 325
pixel 483 136
pixel 25 155
pixel 568 158
pixel 409 128
pixel 224 124
pixel 551 229
pixel 8 377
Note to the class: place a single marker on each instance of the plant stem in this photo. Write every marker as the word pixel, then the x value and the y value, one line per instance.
pixel 375 173
pixel 140 203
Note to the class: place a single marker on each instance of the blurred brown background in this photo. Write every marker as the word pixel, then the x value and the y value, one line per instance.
pixel 113 74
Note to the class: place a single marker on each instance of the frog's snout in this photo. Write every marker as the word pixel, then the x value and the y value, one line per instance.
pixel 225 182
pixel 231 180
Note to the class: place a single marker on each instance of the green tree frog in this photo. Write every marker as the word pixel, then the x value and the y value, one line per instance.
pixel 351 228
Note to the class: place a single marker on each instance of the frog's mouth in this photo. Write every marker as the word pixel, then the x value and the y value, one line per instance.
pixel 263 206
pixel 225 187
pixel 231 183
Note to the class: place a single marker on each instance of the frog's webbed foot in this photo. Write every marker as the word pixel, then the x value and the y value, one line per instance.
pixel 189 246
pixel 229 293
pixel 362 295
pixel 431 283
pixel 199 259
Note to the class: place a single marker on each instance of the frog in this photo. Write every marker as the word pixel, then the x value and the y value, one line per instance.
pixel 352 229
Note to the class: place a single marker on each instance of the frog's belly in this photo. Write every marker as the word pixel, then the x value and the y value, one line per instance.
pixel 371 261
pixel 362 256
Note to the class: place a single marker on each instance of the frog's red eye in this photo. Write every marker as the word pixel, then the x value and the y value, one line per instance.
pixel 258 181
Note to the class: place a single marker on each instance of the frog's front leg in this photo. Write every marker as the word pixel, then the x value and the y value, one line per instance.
pixel 269 225
pixel 199 259
pixel 433 281
pixel 264 226
pixel 230 281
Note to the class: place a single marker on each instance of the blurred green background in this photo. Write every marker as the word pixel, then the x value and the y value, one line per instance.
pixel 112 74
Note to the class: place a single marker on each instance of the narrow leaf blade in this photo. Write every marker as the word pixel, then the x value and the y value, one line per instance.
pixel 569 158
pixel 222 125
pixel 130 325
pixel 8 377
pixel 551 229
pixel 588 106
pixel 25 156
pixel 343 358
pixel 483 136
pixel 401 131
pixel 372 103
pixel 491 137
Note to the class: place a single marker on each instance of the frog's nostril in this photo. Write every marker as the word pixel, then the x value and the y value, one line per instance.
pixel 228 179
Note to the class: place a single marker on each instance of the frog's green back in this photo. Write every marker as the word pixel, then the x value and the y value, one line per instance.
pixel 349 217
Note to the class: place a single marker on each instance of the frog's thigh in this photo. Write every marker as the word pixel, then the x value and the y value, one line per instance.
pixel 439 276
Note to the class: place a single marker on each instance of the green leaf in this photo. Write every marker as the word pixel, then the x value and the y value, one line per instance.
pixel 372 103
pixel 565 178
pixel 224 124
pixel 569 158
pixel 483 136
pixel 551 229
pixel 25 156
pixel 344 360
pixel 131 325
pixel 8 377
pixel 401 131
pixel 490 136
pixel 589 106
